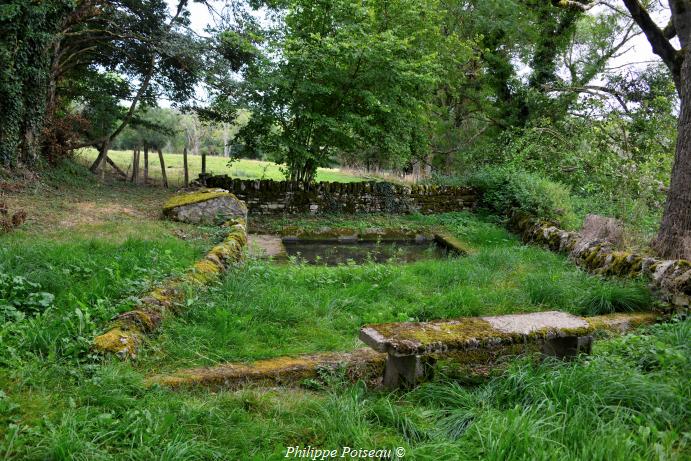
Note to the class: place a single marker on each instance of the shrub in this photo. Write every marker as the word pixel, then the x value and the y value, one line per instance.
pixel 504 190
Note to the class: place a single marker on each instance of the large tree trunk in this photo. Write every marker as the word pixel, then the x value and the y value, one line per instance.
pixel 674 237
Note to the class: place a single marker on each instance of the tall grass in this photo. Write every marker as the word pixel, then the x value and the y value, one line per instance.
pixel 265 310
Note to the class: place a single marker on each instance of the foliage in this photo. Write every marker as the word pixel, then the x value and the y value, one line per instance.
pixel 27 30
pixel 505 189
pixel 84 58
pixel 340 76
pixel 18 297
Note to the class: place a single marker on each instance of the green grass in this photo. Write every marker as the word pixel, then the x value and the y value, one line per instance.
pixel 630 400
pixel 93 248
pixel 58 401
pixel 243 168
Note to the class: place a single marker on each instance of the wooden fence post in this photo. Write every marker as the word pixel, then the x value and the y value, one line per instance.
pixel 146 165
pixel 185 167
pixel 163 168
pixel 203 163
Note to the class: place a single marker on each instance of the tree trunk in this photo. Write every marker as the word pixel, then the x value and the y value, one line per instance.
pixel 102 154
pixel 674 238
pixel 226 140
pixel 146 165
pixel 185 167
pixel 163 168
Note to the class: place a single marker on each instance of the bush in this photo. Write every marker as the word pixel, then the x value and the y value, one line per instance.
pixel 504 190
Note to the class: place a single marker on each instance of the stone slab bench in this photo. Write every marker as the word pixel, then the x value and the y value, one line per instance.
pixel 411 345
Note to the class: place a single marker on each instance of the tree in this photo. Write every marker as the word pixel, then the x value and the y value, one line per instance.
pixel 88 55
pixel 27 30
pixel 335 77
pixel 674 237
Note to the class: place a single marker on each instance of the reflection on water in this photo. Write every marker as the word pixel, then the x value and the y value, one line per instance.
pixel 330 253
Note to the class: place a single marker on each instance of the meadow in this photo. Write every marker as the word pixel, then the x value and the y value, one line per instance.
pixel 91 248
pixel 240 168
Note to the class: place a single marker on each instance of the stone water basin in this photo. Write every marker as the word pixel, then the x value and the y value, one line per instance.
pixel 333 252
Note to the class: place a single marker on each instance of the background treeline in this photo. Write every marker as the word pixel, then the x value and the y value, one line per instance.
pixel 437 89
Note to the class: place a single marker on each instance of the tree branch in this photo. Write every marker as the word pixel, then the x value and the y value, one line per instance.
pixel 661 45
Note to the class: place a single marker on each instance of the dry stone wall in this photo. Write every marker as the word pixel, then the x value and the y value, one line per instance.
pixel 670 279
pixel 285 197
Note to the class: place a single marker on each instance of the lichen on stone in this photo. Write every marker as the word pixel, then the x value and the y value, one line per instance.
pixel 189 198
pixel 123 343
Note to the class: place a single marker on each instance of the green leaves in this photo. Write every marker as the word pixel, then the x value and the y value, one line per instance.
pixel 339 78
pixel 20 297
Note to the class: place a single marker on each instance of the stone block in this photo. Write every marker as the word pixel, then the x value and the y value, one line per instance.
pixel 206 206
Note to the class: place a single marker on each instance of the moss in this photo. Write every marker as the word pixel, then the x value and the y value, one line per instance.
pixel 471 332
pixel 621 322
pixel 683 264
pixel 452 243
pixel 144 319
pixel 117 341
pixel 282 370
pixel 201 195
pixel 622 264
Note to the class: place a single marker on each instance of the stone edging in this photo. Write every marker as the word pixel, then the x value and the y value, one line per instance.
pixel 670 279
pixel 128 330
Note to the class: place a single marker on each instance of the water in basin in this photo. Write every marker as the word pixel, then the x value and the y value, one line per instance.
pixel 331 253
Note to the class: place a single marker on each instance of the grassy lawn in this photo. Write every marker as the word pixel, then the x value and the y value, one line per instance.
pixel 89 249
pixel 249 169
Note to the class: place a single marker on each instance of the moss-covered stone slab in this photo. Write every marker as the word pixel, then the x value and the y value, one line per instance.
pixel 451 243
pixel 205 206
pixel 359 364
pixel 424 338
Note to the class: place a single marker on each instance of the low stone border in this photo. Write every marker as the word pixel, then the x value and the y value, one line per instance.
pixel 670 279
pixel 442 237
pixel 359 364
pixel 128 330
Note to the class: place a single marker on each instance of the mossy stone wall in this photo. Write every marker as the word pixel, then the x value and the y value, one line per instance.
pixel 670 279
pixel 285 197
